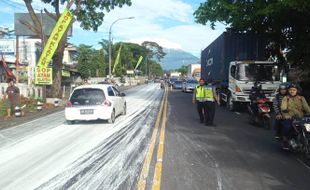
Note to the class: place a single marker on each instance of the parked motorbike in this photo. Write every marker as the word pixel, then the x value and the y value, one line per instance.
pixel 261 114
pixel 300 136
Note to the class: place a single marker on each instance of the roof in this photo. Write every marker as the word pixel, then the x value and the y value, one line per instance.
pixel 100 86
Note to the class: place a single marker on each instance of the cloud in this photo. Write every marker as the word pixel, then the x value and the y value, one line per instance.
pixel 167 22
pixel 162 41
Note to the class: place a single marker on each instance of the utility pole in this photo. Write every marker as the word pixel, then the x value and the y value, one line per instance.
pixel 17 59
pixel 110 43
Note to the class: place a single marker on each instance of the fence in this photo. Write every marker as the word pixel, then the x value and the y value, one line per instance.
pixel 24 89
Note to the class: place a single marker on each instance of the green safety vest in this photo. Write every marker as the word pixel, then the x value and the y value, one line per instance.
pixel 209 93
pixel 200 93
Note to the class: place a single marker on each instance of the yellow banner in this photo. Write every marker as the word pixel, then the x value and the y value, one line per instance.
pixel 43 76
pixel 52 43
pixel 117 58
pixel 139 61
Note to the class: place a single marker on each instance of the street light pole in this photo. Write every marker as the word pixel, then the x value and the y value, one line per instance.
pixel 110 43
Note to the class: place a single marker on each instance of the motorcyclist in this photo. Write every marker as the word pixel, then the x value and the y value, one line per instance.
pixel 256 94
pixel 293 106
pixel 277 109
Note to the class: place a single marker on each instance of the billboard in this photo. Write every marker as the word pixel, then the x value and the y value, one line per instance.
pixel 43 76
pixel 7 49
pixel 22 30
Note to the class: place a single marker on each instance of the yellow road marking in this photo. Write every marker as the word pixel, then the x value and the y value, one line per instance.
pixel 160 151
pixel 149 155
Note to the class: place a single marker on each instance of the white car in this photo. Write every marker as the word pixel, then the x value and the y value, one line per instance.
pixel 94 102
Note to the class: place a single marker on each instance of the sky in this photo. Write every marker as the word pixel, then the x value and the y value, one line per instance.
pixel 170 23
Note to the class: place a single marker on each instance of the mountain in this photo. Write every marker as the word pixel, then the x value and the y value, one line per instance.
pixel 175 58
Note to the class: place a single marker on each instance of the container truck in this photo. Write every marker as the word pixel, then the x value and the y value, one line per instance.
pixel 235 61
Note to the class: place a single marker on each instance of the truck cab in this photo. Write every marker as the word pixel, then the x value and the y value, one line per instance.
pixel 241 78
pixel 197 74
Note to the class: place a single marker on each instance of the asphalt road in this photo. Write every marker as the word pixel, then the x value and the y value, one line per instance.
pixel 159 144
pixel 233 155
pixel 47 153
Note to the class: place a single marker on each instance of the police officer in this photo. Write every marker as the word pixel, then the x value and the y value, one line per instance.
pixel 211 100
pixel 199 98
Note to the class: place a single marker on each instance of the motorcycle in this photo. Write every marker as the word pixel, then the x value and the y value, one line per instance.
pixel 262 115
pixel 300 136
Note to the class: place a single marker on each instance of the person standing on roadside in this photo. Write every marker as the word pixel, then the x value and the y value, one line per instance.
pixel 211 100
pixel 12 97
pixel 199 98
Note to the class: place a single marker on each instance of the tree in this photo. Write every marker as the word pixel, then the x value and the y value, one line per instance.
pixel 286 22
pixel 156 69
pixel 84 60
pixel 155 50
pixel 183 70
pixel 91 62
pixel 89 14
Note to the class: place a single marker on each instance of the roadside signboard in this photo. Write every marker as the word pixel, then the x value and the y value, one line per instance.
pixel 130 72
pixel 65 73
pixel 43 76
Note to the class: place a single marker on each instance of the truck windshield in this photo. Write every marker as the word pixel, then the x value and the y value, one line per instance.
pixel 197 74
pixel 258 72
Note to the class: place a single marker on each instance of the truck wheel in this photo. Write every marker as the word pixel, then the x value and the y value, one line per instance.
pixel 230 104
pixel 222 102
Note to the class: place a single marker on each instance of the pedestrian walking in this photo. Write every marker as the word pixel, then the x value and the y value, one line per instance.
pixel 211 100
pixel 199 98
pixel 12 97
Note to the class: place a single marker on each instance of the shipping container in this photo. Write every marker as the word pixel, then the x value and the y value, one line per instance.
pixel 215 59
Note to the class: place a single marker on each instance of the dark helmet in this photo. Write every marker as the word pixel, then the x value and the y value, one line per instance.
pixel 293 85
pixel 282 86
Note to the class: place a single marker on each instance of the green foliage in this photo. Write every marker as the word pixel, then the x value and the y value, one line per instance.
pixel 94 63
pixel 2 108
pixel 84 60
pixel 183 70
pixel 91 12
pixel 155 68
pixel 155 51
pixel 287 22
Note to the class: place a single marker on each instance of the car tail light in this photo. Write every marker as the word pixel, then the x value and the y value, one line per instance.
pixel 69 104
pixel 107 103
pixel 238 89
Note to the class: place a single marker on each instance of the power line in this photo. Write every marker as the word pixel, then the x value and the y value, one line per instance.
pixel 20 6
pixel 11 5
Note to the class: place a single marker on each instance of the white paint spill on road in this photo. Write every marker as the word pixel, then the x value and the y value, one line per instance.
pixel 303 163
pixel 89 155
pixel 238 113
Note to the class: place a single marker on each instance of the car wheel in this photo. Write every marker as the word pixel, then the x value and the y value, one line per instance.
pixel 112 119
pixel 70 122
pixel 124 110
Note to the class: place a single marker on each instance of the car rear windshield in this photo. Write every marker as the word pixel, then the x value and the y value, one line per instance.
pixel 87 96
pixel 192 81
pixel 178 82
